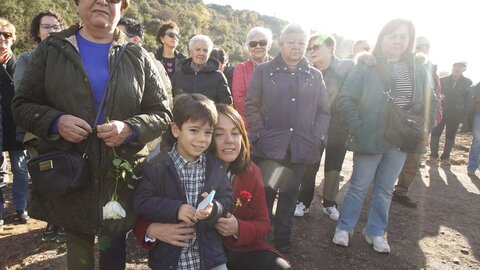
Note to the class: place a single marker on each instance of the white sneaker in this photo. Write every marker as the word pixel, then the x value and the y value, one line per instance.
pixel 332 212
pixel 301 210
pixel 379 243
pixel 341 238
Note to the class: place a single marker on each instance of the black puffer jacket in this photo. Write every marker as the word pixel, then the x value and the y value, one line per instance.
pixel 56 83
pixel 208 81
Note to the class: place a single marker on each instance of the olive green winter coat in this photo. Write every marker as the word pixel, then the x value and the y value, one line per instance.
pixel 364 105
pixel 56 83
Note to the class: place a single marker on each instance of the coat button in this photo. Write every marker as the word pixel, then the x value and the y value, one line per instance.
pixel 291 129
pixel 293 99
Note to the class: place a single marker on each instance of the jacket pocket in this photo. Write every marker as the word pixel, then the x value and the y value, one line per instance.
pixel 268 141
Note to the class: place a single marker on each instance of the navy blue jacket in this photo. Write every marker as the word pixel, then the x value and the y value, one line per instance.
pixel 159 197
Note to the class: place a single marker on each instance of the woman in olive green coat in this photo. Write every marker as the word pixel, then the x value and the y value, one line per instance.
pixel 58 101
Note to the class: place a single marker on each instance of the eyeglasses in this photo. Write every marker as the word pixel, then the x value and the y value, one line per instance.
pixel 254 44
pixel 422 46
pixel 6 35
pixel 314 47
pixel 173 35
pixel 55 27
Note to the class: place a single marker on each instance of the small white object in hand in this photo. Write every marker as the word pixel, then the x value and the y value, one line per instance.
pixel 113 210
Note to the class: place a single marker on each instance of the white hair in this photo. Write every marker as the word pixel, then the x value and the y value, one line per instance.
pixel 198 38
pixel 259 30
pixel 292 28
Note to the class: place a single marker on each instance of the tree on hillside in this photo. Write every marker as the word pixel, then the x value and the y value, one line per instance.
pixel 227 27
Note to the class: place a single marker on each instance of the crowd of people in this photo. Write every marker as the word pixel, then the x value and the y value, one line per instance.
pixel 216 144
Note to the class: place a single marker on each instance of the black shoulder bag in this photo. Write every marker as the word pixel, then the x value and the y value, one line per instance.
pixel 57 173
pixel 403 129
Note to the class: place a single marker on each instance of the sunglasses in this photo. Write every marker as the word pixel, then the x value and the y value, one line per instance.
pixel 51 26
pixel 173 35
pixel 6 35
pixel 254 44
pixel 314 47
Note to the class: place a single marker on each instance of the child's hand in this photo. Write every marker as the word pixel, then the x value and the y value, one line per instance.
pixel 186 213
pixel 204 213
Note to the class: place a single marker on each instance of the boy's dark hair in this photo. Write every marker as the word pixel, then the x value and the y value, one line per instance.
pixel 35 25
pixel 242 162
pixel 163 29
pixel 220 55
pixel 132 26
pixel 194 107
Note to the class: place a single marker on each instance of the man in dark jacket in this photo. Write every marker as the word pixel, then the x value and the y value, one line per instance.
pixel 288 115
pixel 455 91
pixel 225 67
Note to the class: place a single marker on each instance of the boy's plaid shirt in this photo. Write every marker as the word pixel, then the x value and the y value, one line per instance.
pixel 192 178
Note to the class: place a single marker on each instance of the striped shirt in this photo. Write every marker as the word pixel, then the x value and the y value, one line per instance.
pixel 403 92
pixel 192 178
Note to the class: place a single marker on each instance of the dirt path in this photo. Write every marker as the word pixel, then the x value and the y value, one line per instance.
pixel 442 233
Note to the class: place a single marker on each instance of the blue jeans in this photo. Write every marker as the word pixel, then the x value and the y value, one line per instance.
pixel 18 164
pixel 474 155
pixel 384 170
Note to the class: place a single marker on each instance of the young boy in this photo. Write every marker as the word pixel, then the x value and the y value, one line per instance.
pixel 175 182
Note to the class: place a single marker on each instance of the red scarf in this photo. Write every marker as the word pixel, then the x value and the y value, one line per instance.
pixel 5 57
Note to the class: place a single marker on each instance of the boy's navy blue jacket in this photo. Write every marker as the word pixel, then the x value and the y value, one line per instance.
pixel 159 197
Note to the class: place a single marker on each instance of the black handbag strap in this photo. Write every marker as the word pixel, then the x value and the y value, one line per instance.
pixel 106 92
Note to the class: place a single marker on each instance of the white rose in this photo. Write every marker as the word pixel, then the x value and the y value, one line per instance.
pixel 113 210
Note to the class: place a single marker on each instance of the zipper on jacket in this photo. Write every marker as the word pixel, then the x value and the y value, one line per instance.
pixel 195 82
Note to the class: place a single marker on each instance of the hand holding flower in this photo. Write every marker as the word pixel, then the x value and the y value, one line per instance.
pixel 123 170
pixel 114 133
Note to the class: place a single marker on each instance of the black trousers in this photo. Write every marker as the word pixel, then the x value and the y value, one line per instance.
pixel 334 156
pixel 286 185
pixel 256 260
pixel 451 128
pixel 80 248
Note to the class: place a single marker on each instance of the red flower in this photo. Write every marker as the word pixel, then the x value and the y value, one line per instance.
pixel 244 197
